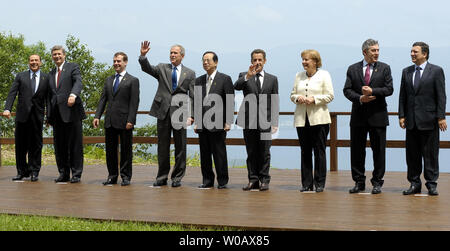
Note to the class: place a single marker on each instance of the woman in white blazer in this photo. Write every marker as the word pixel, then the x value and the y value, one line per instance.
pixel 312 92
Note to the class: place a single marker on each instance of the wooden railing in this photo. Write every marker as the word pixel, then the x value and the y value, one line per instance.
pixel 333 143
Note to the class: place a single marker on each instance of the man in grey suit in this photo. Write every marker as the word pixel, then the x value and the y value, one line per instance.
pixel 32 88
pixel 65 115
pixel 261 93
pixel 121 93
pixel 175 92
pixel 422 113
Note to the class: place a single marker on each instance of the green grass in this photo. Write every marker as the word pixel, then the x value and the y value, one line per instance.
pixel 40 223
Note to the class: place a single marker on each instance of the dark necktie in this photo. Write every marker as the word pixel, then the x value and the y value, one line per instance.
pixel 59 75
pixel 33 83
pixel 174 78
pixel 258 82
pixel 367 75
pixel 116 83
pixel 417 77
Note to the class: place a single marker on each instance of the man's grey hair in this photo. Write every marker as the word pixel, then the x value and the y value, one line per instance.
pixel 369 42
pixel 183 51
pixel 58 47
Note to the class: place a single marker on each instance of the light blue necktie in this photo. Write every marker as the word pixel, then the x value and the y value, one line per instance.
pixel 174 78
pixel 116 83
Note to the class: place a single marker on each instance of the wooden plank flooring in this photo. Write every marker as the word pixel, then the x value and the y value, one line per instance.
pixel 283 207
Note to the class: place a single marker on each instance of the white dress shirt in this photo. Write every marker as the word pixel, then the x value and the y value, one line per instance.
pixel 422 68
pixel 38 77
pixel 261 78
pixel 60 68
pixel 122 74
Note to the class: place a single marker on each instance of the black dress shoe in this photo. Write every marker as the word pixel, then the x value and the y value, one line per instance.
pixel 306 189
pixel 18 177
pixel 125 183
pixel 376 190
pixel 61 179
pixel 160 183
pixel 251 185
pixel 205 186
pixel 75 180
pixel 413 190
pixel 176 183
pixel 34 178
pixel 110 182
pixel 264 187
pixel 357 188
pixel 319 189
pixel 433 192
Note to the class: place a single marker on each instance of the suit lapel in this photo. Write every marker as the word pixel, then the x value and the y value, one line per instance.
pixel 52 81
pixel 63 71
pixel 41 80
pixel 374 73
pixel 425 74
pixel 124 80
pixel 169 77
pixel 28 83
pixel 109 86
pixel 53 76
pixel 409 75
pixel 360 73
pixel 254 84
pixel 265 82
pixel 203 84
pixel 214 83
pixel 182 76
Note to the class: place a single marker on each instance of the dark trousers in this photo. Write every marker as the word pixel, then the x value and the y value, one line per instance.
pixel 313 138
pixel 165 129
pixel 112 136
pixel 68 141
pixel 28 141
pixel 258 156
pixel 422 145
pixel 358 138
pixel 212 144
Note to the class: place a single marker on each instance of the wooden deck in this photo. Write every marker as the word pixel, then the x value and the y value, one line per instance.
pixel 283 207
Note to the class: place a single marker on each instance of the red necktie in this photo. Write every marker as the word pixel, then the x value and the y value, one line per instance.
pixel 57 80
pixel 367 75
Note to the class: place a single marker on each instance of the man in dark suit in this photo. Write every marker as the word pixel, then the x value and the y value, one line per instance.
pixel 258 116
pixel 213 113
pixel 65 115
pixel 421 111
pixel 31 87
pixel 121 93
pixel 175 92
pixel 367 85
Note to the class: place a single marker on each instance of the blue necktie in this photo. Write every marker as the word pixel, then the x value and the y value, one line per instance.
pixel 174 78
pixel 417 78
pixel 116 83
